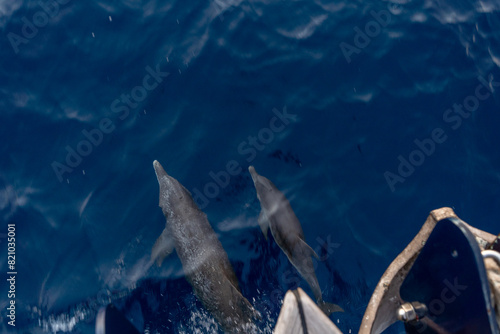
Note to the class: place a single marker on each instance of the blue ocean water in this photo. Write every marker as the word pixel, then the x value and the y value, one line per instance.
pixel 367 114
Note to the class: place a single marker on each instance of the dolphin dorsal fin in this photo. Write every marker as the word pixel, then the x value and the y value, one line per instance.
pixel 164 245
pixel 244 304
pixel 264 223
pixel 306 249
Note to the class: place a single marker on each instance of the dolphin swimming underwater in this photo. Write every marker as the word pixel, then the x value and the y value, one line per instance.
pixel 278 215
pixel 205 263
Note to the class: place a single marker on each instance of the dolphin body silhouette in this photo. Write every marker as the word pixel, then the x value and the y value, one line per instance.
pixel 278 215
pixel 204 261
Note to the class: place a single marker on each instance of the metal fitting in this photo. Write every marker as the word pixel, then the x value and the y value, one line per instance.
pixel 411 311
pixel 491 254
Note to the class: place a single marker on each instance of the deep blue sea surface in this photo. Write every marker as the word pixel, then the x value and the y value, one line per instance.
pixel 367 114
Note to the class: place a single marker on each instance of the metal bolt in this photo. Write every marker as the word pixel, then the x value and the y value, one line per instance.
pixel 411 311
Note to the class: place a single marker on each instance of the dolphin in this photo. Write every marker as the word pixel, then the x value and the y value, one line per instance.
pixel 278 215
pixel 204 261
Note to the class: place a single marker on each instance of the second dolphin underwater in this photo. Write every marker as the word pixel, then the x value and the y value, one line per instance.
pixel 278 215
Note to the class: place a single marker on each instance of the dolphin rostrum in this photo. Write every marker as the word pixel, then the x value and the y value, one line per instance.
pixel 278 215
pixel 204 261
